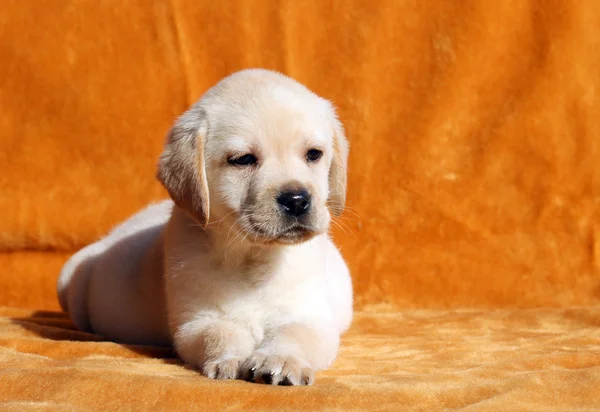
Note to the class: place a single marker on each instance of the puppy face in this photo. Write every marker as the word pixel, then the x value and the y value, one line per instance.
pixel 262 152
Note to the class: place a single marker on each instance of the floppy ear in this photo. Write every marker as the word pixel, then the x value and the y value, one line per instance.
pixel 338 172
pixel 181 167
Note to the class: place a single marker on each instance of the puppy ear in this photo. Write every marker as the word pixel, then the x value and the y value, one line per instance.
pixel 338 172
pixel 181 167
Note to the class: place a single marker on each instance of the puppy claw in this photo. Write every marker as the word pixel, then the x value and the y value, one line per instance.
pixel 266 378
pixel 222 369
pixel 308 376
pixel 276 370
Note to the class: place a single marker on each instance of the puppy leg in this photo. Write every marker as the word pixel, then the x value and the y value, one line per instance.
pixel 290 354
pixel 216 347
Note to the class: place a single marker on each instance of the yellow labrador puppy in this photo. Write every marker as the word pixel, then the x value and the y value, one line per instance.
pixel 237 271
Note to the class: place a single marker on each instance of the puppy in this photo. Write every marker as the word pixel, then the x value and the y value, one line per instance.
pixel 237 271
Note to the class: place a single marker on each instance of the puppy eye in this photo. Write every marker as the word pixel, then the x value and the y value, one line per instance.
pixel 244 160
pixel 313 155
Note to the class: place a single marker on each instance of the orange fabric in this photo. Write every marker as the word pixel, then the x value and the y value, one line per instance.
pixel 503 360
pixel 474 183
pixel 473 170
pixel 28 278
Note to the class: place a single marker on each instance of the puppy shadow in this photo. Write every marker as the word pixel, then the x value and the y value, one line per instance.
pixel 57 326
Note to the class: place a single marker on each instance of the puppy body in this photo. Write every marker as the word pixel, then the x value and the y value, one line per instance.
pixel 115 287
pixel 238 273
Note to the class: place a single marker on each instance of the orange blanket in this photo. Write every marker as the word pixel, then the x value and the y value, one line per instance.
pixel 474 184
pixel 415 360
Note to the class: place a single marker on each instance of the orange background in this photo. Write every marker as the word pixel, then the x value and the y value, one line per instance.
pixel 474 129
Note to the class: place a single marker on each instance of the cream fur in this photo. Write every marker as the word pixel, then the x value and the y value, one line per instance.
pixel 221 273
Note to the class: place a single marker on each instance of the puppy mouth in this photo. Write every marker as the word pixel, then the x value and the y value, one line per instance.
pixel 296 233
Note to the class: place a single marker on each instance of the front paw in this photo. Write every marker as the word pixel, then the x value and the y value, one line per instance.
pixel 226 368
pixel 276 370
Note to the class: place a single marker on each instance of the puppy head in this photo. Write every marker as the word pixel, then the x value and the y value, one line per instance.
pixel 260 151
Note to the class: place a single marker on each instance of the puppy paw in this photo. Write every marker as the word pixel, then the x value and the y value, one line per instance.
pixel 222 368
pixel 276 370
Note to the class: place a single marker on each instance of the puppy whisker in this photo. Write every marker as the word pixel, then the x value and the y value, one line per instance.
pixel 221 220
pixel 229 242
pixel 346 209
pixel 342 227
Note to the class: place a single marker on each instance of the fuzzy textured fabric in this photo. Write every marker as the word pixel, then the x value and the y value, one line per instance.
pixel 544 359
pixel 473 222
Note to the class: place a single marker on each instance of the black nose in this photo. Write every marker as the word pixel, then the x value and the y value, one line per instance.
pixel 294 203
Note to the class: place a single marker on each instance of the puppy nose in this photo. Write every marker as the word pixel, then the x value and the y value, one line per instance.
pixel 294 203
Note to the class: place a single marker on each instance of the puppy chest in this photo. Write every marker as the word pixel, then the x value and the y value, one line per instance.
pixel 277 302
